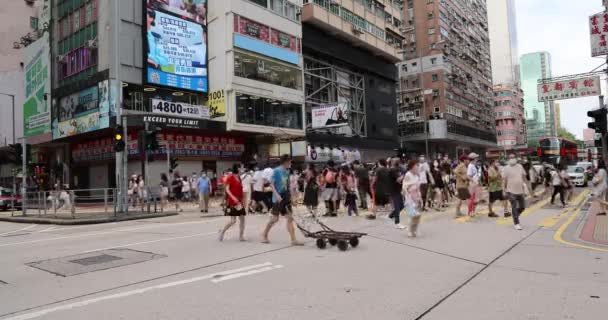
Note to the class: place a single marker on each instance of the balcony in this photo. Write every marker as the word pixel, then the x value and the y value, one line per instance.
pixel 333 23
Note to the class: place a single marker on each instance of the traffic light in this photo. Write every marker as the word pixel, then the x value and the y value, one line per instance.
pixel 17 150
pixel 172 164
pixel 119 139
pixel 600 122
pixel 152 141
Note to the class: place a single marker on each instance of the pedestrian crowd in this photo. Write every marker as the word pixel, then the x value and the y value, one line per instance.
pixel 387 188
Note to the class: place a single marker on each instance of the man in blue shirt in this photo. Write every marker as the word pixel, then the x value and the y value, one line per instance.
pixel 281 200
pixel 203 185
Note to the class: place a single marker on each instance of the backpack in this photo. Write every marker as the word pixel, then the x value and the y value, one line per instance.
pixel 330 176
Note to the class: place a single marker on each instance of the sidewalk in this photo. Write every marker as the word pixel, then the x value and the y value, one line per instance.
pixel 595 229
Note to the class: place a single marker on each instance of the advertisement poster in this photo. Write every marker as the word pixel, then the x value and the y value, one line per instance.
pixel 177 52
pixel 180 109
pixel 569 89
pixel 331 115
pixel 598 29
pixel 195 10
pixel 36 109
pixel 82 112
pixel 217 104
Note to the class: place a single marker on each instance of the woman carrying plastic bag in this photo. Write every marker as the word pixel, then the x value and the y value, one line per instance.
pixel 411 192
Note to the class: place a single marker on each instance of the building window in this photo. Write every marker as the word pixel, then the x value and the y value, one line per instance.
pixel 263 3
pixel 429 1
pixel 435 77
pixel 430 15
pixel 417 113
pixel 268 112
pixel 34 23
pixel 437 109
pixel 433 60
pixel 431 30
pixel 255 67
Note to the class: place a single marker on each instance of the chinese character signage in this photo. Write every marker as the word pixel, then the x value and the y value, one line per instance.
pixel 598 27
pixel 569 89
pixel 176 54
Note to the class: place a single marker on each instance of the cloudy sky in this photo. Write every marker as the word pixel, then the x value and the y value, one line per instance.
pixel 561 28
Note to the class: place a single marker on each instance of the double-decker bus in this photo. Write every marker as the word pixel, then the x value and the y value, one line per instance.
pixel 558 151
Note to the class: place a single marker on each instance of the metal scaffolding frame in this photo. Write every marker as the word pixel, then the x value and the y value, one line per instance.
pixel 326 83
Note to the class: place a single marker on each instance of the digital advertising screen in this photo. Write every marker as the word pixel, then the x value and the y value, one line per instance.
pixel 195 10
pixel 176 52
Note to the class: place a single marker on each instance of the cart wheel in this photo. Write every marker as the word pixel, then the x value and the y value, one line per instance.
pixel 333 242
pixel 354 242
pixel 342 245
pixel 321 244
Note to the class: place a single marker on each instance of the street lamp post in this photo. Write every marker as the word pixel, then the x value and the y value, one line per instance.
pixel 13 115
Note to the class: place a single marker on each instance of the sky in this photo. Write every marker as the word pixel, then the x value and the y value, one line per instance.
pixel 561 27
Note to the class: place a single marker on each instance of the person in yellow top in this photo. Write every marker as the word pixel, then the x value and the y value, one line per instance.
pixel 495 189
pixel 462 183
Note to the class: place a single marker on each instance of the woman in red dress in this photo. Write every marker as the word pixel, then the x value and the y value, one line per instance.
pixel 234 202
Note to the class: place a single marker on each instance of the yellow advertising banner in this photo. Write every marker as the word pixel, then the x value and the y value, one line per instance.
pixel 217 104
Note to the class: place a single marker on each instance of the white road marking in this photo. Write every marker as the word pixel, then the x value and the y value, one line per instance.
pixel 246 273
pixel 152 241
pixel 70 306
pixel 103 233
pixel 48 229
pixel 22 229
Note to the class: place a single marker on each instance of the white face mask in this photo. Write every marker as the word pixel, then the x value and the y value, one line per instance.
pixel 512 162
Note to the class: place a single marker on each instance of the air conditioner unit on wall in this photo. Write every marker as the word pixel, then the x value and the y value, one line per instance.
pixel 358 29
pixel 91 44
pixel 60 58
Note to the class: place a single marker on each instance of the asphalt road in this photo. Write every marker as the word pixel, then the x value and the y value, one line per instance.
pixel 175 268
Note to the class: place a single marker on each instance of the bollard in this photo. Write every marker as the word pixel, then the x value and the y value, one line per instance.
pixel 44 202
pixel 105 200
pixel 73 204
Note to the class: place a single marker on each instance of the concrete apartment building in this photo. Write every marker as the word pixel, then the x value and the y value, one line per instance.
pixel 446 79
pixel 510 118
pixel 350 50
pixel 540 116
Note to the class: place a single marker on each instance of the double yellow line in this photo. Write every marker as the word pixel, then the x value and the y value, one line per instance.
pixel 559 233
pixel 552 221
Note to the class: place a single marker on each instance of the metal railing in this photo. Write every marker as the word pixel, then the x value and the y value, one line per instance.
pixel 87 203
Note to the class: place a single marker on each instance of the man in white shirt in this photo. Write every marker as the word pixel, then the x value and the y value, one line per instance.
pixel 423 172
pixel 514 184
pixel 247 182
pixel 258 190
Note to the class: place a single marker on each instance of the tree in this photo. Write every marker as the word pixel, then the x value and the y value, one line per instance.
pixel 563 133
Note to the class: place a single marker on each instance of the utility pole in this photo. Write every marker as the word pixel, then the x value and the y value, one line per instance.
pixel 24 175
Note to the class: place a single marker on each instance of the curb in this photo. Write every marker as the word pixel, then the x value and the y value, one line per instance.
pixel 71 222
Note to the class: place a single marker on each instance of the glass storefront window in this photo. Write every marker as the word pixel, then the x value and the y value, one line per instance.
pixel 266 70
pixel 268 112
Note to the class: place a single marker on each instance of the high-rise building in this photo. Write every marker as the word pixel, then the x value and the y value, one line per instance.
pixel 540 116
pixel 503 42
pixel 510 119
pixel 350 49
pixel 446 97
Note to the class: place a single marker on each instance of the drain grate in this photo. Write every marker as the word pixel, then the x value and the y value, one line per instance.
pixel 102 258
pixel 94 261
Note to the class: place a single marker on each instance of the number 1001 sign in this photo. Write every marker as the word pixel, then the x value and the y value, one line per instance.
pixel 180 109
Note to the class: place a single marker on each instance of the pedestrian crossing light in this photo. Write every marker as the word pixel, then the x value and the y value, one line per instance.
pixel 600 122
pixel 119 141
pixel 152 141
pixel 173 164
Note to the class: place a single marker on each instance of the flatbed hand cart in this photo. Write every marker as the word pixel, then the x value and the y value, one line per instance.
pixel 328 235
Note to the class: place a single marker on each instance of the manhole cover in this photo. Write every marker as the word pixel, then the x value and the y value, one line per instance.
pixel 94 261
pixel 102 258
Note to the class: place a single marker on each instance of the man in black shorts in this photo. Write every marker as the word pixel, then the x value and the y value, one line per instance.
pixel 281 200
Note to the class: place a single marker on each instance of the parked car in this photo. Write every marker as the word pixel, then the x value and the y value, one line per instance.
pixel 8 199
pixel 578 176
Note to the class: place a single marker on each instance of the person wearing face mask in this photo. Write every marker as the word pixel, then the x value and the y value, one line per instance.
pixel 203 186
pixel 514 184
pixel 438 185
pixel 462 183
pixel 495 189
pixel 423 172
pixel 411 191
